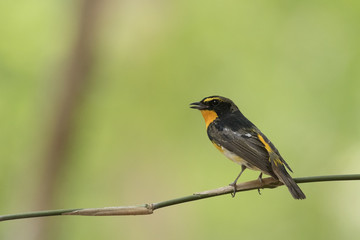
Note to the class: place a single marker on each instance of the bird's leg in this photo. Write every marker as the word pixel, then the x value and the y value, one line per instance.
pixel 261 182
pixel 233 184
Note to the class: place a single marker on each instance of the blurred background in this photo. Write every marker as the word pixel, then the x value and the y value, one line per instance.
pixel 94 104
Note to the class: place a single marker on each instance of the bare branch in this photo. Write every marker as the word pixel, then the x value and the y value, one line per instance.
pixel 150 208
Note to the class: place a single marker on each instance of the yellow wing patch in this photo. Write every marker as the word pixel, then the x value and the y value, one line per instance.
pixel 209 116
pixel 273 156
pixel 267 146
pixel 218 147
pixel 278 161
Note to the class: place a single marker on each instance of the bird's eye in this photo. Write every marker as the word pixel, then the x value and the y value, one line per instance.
pixel 214 102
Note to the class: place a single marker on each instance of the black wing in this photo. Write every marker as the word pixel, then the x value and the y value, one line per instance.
pixel 242 142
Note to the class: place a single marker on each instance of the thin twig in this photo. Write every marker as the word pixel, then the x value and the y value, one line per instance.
pixel 146 209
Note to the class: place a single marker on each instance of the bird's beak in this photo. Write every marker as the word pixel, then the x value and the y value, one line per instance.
pixel 198 105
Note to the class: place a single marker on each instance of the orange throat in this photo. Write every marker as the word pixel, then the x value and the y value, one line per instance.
pixel 209 116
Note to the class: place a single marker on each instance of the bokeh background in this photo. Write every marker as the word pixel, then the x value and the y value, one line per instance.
pixel 94 112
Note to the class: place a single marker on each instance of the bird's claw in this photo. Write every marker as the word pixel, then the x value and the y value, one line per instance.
pixel 261 182
pixel 234 189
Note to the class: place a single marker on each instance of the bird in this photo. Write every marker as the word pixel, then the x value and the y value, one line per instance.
pixel 243 143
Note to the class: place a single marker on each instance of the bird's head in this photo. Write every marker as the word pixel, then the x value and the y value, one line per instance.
pixel 213 107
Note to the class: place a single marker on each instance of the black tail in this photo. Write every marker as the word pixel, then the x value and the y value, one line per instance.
pixel 285 178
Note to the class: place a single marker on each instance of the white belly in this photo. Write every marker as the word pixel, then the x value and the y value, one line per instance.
pixel 236 159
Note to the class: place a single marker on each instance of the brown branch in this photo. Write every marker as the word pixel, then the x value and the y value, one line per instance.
pixel 146 209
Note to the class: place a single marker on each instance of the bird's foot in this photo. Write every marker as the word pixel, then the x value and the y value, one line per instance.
pixel 233 184
pixel 261 182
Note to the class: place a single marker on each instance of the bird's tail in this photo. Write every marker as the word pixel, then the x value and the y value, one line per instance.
pixel 284 177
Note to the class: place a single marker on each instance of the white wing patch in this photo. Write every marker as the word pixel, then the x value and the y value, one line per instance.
pixel 237 134
pixel 247 135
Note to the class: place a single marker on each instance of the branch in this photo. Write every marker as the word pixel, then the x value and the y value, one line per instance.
pixel 150 208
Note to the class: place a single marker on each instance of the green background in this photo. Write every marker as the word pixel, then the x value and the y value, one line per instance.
pixel 291 67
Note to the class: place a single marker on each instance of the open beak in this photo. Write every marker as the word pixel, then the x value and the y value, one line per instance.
pixel 198 105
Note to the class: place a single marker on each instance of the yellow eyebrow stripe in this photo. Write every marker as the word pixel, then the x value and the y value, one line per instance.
pixel 210 99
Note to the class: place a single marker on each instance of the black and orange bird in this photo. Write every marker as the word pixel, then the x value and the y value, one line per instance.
pixel 242 142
